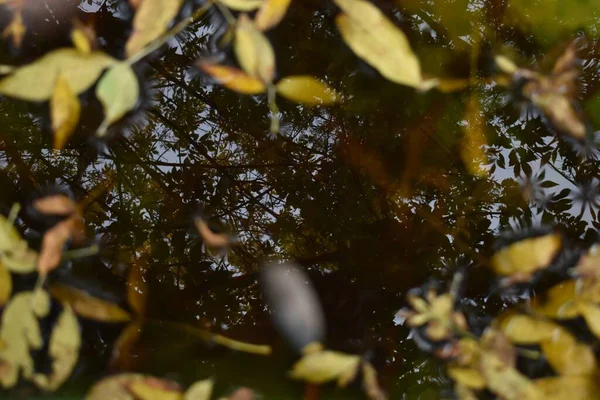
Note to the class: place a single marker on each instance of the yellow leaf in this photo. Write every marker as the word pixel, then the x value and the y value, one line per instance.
pixel 154 389
pixel 200 390
pixel 80 41
pixel 36 81
pixel 527 256
pixel 241 346
pixel 524 329
pixel 378 41
pixel 505 64
pixel 506 381
pixel 591 314
pixel 65 342
pixel 133 387
pixel 468 377
pixel 306 90
pixel 16 29
pixel 20 333
pixel 567 356
pixel 242 5
pixel 253 51
pixel 271 13
pixel 472 148
pixel 118 91
pixel 233 78
pixel 569 387
pixel 151 20
pixel 324 366
pixel 5 284
pixel 64 110
pixel 15 253
pixel 558 302
pixel 87 306
pixel 371 385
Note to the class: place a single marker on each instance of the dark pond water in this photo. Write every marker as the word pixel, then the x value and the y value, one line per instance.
pixel 371 195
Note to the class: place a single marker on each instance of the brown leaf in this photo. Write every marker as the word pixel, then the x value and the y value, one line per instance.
pixel 52 245
pixel 87 306
pixel 57 204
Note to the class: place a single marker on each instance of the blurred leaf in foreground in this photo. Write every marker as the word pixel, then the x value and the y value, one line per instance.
pixel 64 110
pixel 88 306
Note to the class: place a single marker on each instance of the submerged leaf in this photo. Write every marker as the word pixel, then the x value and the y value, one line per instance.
pixel 271 13
pixel 233 78
pixel 324 366
pixel 253 51
pixel 379 42
pixel 65 342
pixel 87 306
pixel 151 20
pixel 200 390
pixel 65 110
pixel 306 90
pixel 118 91
pixel 521 259
pixel 36 81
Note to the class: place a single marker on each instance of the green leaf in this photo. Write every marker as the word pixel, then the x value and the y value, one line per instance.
pixel 36 81
pixel 151 20
pixel 378 41
pixel 306 90
pixel 118 91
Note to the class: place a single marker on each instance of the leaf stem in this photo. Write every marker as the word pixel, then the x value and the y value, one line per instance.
pixel 169 34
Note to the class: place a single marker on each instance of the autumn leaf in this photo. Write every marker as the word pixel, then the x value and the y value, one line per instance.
pixel 36 81
pixel 521 259
pixel 15 253
pixel 88 306
pixel 378 41
pixel 64 110
pixel 58 204
pixel 569 387
pixel 83 37
pixel 306 90
pixel 118 91
pixel 271 13
pixel 525 329
pixel 121 356
pixel 65 342
pixel 211 238
pixel 132 386
pixel 5 284
pixel 150 388
pixel 200 390
pixel 321 366
pixel 233 78
pixel 567 356
pixel 151 20
pixel 242 5
pixel 371 384
pixel 253 51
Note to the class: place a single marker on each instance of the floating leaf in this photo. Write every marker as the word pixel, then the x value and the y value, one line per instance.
pixel 16 29
pixel 64 110
pixel 151 20
pixel 271 13
pixel 567 356
pixel 568 387
pixel 241 394
pixel 118 91
pixel 15 253
pixel 53 243
pixel 521 259
pixel 5 284
pixel 472 147
pixel 233 78
pixel 145 388
pixel 253 51
pixel 468 377
pixel 591 314
pixel 306 90
pixel 322 366
pixel 150 388
pixel 558 302
pixel 65 342
pixel 200 390
pixel 36 81
pixel 87 306
pixel 242 5
pixel 20 333
pixel 506 381
pixel 524 329
pixel 378 41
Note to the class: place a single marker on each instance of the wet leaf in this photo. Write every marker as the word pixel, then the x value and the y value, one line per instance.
pixel 560 112
pixel 306 90
pixel 5 284
pixel 152 19
pixel 36 81
pixel 589 264
pixel 521 259
pixel 524 329
pixel 20 333
pixel 233 78
pixel 474 141
pixel 65 110
pixel 87 306
pixel 322 366
pixel 253 51
pixel 296 309
pixel 118 91
pixel 65 342
pixel 568 387
pixel 271 13
pixel 200 390
pixel 242 5
pixel 378 41
pixel 567 356
pixel 16 29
